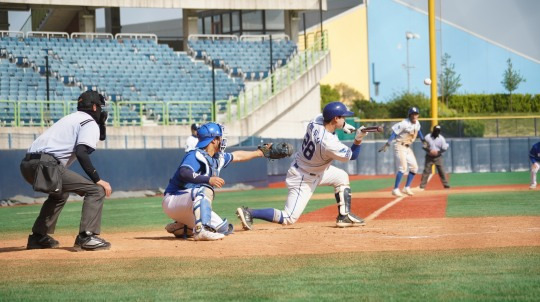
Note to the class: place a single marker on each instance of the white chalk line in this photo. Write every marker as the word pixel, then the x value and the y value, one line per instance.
pixel 389 205
pixel 384 208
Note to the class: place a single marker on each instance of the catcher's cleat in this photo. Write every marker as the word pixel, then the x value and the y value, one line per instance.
pixel 90 242
pixel 397 193
pixel 179 230
pixel 408 191
pixel 245 217
pixel 206 234
pixel 38 241
pixel 349 220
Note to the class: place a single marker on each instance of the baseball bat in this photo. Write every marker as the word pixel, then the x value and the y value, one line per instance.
pixel 373 129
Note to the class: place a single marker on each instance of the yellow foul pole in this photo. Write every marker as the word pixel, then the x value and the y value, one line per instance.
pixel 433 63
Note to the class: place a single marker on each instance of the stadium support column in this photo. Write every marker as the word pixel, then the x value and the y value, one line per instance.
pixel 189 22
pixel 4 21
pixel 112 20
pixel 433 63
pixel 291 25
pixel 87 21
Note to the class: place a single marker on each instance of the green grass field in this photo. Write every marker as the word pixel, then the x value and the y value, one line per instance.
pixel 488 275
pixel 472 274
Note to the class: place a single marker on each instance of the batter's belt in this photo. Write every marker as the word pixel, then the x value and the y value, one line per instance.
pixel 302 170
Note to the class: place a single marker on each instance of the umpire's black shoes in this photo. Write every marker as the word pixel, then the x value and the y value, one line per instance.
pixel 38 241
pixel 90 242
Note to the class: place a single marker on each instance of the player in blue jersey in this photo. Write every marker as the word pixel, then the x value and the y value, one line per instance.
pixel 534 156
pixel 189 195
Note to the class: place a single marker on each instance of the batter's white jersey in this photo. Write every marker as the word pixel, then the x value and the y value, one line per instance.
pixel 191 143
pixel 320 148
pixel 71 130
pixel 406 131
pixel 312 167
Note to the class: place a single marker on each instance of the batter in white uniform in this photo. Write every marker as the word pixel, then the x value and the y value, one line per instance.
pixel 312 167
pixel 405 133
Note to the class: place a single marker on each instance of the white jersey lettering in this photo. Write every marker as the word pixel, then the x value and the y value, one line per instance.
pixel 320 148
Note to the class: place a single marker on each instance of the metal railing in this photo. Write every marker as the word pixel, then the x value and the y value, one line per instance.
pixel 479 126
pixel 122 113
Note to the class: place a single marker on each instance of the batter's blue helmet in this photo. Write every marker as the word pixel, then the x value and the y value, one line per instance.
pixel 413 110
pixel 335 109
pixel 207 132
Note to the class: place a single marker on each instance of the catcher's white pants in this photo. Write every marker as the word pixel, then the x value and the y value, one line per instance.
pixel 405 158
pixel 180 209
pixel 302 185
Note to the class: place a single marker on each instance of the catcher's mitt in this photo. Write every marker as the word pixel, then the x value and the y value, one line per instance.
pixel 276 151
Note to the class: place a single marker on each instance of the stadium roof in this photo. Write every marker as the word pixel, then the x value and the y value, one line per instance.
pixel 185 4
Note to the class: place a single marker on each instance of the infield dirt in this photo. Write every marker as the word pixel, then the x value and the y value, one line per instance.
pixel 415 223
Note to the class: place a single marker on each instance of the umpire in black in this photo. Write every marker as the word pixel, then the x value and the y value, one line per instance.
pixel 435 145
pixel 75 136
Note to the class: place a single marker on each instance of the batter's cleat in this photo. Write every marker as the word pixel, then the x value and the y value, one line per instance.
pixel 532 187
pixel 88 241
pixel 397 193
pixel 38 241
pixel 408 191
pixel 245 217
pixel 349 220
pixel 206 234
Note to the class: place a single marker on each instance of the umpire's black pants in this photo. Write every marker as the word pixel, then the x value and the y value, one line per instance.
pixel 438 162
pixel 71 182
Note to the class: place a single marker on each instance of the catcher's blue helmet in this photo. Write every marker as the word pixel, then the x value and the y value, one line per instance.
pixel 413 110
pixel 207 132
pixel 334 109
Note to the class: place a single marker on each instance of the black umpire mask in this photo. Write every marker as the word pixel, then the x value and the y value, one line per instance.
pixel 436 132
pixel 86 103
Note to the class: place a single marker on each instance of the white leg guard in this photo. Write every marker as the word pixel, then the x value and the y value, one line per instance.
pixel 343 199
pixel 345 217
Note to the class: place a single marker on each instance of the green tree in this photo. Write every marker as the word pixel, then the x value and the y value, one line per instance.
pixel 449 81
pixel 371 110
pixel 348 94
pixel 511 80
pixel 328 95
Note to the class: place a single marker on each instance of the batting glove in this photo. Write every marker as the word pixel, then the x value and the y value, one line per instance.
pixel 348 128
pixel 359 134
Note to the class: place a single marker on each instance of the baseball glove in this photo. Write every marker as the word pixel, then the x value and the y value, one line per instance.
pixel 276 151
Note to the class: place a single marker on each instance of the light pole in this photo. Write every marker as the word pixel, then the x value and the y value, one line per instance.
pixel 409 35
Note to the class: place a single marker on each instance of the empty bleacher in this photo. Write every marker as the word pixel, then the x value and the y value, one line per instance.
pixel 143 79
pixel 247 56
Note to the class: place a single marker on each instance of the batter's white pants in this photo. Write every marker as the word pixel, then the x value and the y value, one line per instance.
pixel 405 158
pixel 180 209
pixel 302 185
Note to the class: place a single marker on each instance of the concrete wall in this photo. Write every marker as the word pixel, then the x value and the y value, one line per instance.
pixel 303 96
pixel 464 156
pixel 349 49
pixel 192 4
pixel 131 170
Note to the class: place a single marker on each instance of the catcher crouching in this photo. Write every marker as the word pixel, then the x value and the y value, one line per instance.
pixel 190 192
